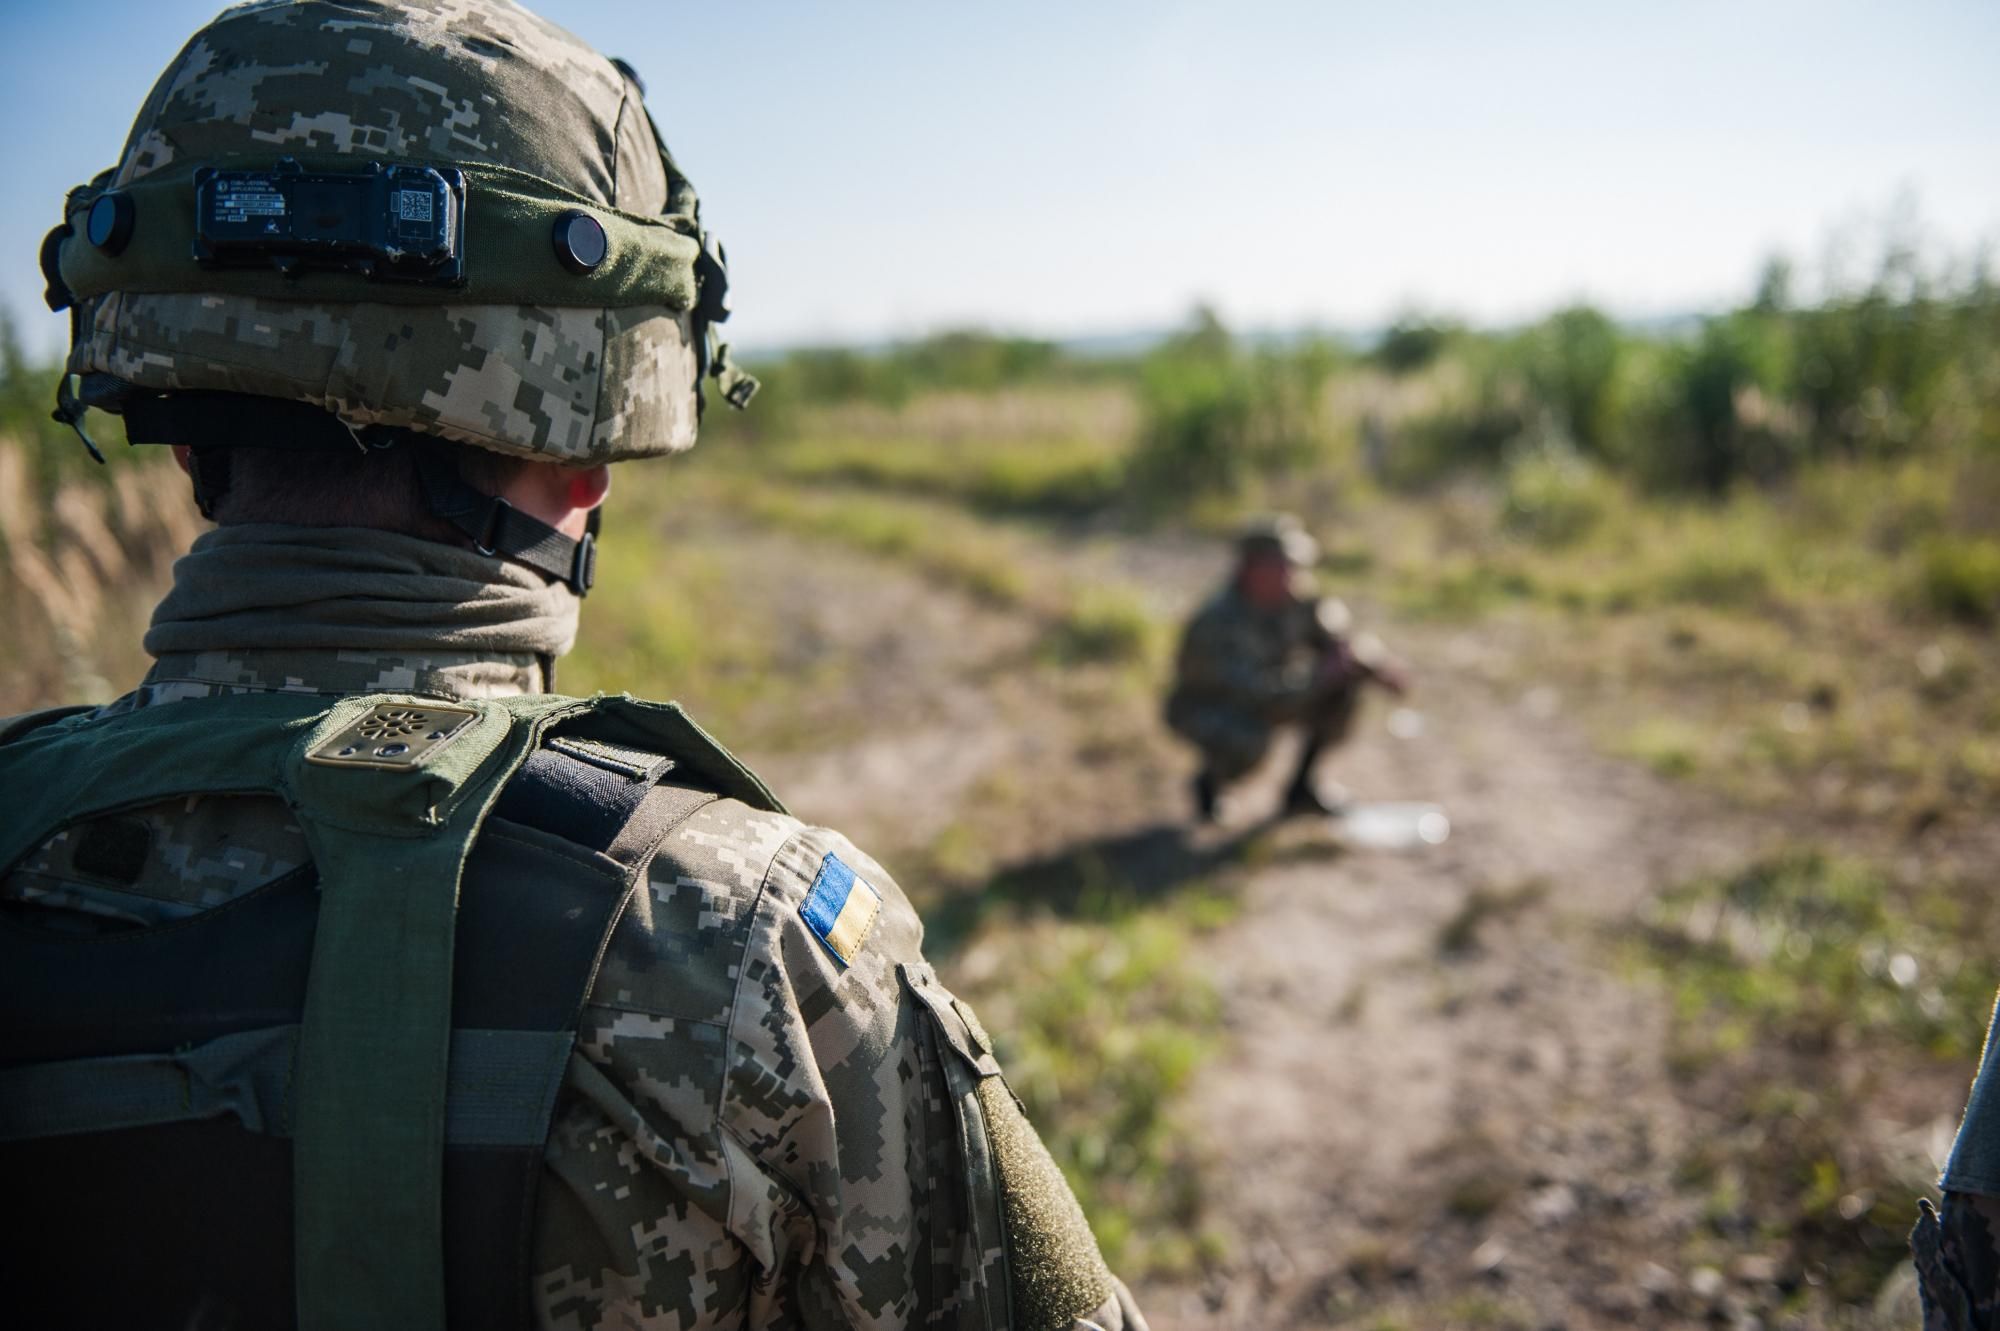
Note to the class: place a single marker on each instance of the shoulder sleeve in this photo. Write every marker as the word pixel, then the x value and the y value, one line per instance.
pixel 890 1178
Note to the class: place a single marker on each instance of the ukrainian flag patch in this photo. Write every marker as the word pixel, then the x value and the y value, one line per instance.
pixel 841 909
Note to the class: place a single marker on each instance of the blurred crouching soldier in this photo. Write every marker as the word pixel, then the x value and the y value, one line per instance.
pixel 1268 651
pixel 1957 1245
pixel 350 977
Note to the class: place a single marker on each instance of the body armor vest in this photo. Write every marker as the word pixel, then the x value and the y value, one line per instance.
pixel 324 1103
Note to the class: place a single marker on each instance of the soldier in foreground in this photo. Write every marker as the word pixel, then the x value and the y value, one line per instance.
pixel 350 977
pixel 1957 1244
pixel 1267 651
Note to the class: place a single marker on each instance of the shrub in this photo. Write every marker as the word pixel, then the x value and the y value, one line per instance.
pixel 1103 626
pixel 1214 416
pixel 1716 575
pixel 1570 363
pixel 1552 496
pixel 1959 577
pixel 1712 424
pixel 1412 343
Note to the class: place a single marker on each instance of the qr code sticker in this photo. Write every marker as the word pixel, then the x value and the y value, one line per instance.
pixel 413 205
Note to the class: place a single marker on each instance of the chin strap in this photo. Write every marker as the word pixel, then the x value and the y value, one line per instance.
pixel 497 528
pixel 212 424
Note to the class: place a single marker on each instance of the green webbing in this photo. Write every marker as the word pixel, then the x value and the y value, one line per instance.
pixel 503 1086
pixel 370 1087
pixel 26 721
pixel 509 257
pixel 370 1083
pixel 368 1147
pixel 82 766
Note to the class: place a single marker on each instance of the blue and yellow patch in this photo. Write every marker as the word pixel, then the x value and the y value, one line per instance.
pixel 841 909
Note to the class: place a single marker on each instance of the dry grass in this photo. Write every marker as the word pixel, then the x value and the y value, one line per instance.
pixel 85 559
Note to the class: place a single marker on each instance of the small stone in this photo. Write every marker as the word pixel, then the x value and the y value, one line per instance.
pixel 1705 1282
pixel 1755 1269
pixel 1488 1257
pixel 1552 1205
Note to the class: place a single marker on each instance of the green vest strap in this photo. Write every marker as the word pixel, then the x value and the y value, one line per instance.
pixel 501 1088
pixel 26 721
pixel 389 846
pixel 369 1108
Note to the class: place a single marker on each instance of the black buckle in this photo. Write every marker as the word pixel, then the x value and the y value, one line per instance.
pixel 487 542
pixel 583 565
pixel 69 411
pixel 56 293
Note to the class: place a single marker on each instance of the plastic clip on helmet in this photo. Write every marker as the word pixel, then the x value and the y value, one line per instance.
pixel 339 223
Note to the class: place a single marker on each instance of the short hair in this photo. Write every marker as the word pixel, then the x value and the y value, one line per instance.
pixel 338 488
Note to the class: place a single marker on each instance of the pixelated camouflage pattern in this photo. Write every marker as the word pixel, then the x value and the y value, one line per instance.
pixel 1957 1252
pixel 750 1134
pixel 200 852
pixel 208 850
pixel 1242 671
pixel 465 81
pixel 176 676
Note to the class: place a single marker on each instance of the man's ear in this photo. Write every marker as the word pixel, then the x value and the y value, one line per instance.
pixel 181 457
pixel 588 486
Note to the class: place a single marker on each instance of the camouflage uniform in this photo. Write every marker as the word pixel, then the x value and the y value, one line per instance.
pixel 1957 1245
pixel 748 1134
pixel 748 1137
pixel 1244 671
pixel 1246 668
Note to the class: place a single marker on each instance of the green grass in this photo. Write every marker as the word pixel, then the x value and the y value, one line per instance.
pixel 1105 1024
pixel 1816 950
pixel 1034 476
pixel 1959 578
pixel 943 545
pixel 1104 625
pixel 1801 985
pixel 1084 623
pixel 1670 746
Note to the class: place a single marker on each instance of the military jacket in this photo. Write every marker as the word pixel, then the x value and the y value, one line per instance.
pixel 1238 658
pixel 759 1127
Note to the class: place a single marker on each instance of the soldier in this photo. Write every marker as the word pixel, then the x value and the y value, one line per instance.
pixel 349 977
pixel 1957 1245
pixel 1267 650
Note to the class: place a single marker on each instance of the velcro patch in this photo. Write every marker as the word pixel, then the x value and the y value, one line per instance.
pixel 841 909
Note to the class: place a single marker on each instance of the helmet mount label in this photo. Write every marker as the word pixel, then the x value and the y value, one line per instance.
pixel 400 223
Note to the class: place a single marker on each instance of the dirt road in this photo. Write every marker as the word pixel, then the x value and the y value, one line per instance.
pixel 1441 1099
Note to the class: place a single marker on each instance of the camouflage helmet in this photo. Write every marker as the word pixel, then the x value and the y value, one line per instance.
pixel 527 352
pixel 1278 534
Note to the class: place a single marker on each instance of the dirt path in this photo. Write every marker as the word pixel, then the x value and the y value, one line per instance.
pixel 1438 1097
pixel 1439 1092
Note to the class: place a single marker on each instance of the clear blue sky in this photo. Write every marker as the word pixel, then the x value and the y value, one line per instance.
pixel 880 169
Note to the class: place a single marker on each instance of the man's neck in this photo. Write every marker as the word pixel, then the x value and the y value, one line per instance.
pixel 351 610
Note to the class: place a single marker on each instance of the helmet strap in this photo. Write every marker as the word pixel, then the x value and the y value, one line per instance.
pixel 497 528
pixel 212 424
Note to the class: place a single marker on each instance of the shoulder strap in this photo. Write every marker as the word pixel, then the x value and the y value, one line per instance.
pixel 668 728
pixel 390 791
pixel 389 821
pixel 13 726
pixel 390 846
